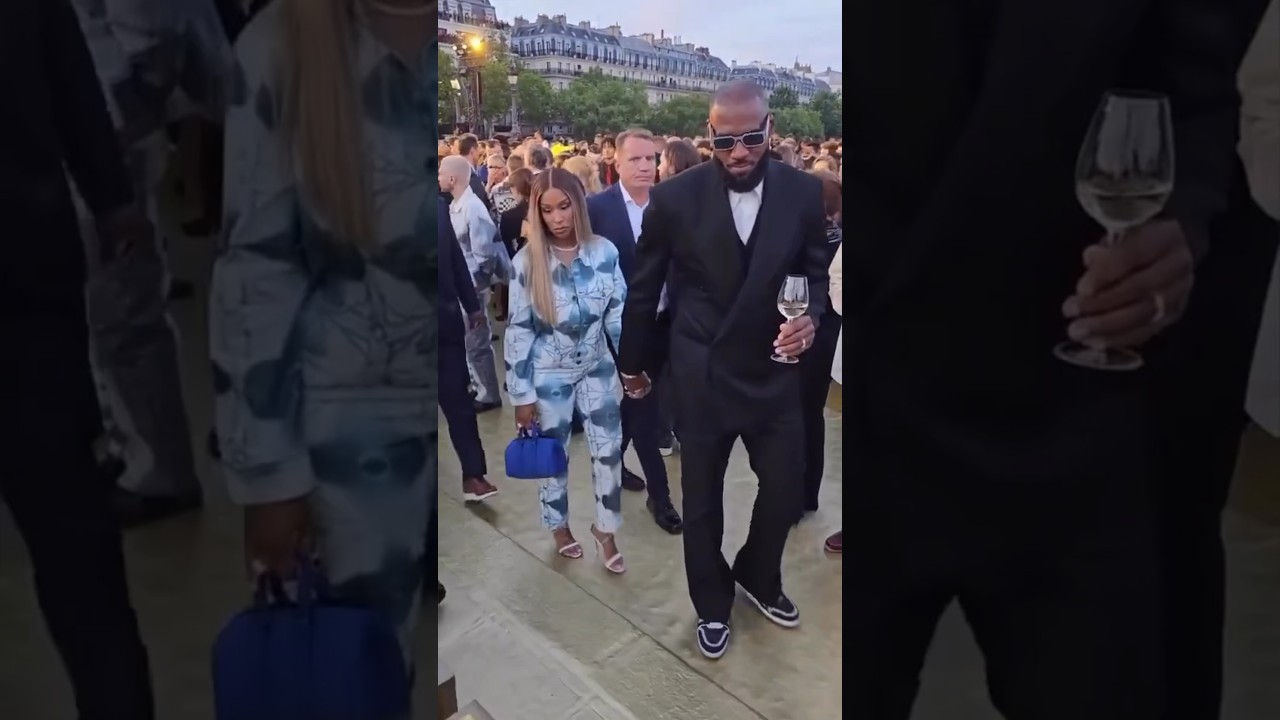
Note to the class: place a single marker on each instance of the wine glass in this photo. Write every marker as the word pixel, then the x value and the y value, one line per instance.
pixel 793 301
pixel 1124 175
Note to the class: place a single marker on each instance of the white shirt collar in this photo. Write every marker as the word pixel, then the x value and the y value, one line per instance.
pixel 457 203
pixel 757 192
pixel 626 198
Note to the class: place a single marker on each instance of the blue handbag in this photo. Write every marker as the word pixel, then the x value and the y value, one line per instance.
pixel 534 456
pixel 309 659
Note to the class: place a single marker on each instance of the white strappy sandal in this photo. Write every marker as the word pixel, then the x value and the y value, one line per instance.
pixel 613 564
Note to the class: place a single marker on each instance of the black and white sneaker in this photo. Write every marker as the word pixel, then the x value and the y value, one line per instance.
pixel 713 639
pixel 781 611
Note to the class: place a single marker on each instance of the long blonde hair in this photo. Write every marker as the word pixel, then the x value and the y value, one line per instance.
pixel 586 171
pixel 321 114
pixel 538 250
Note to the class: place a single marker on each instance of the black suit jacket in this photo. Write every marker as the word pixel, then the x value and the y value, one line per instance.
pixel 55 122
pixel 457 292
pixel 966 236
pixel 477 187
pixel 725 319
pixel 607 212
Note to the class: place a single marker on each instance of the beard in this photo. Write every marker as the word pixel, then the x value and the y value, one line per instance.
pixel 744 183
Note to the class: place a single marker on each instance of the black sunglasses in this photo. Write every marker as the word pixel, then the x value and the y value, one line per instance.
pixel 753 139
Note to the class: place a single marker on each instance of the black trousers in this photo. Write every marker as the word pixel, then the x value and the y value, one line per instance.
pixel 459 408
pixel 64 514
pixel 815 387
pixel 642 421
pixel 1059 584
pixel 1202 379
pixel 774 451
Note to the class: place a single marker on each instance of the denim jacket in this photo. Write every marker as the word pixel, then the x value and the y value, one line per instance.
pixel 296 316
pixel 589 295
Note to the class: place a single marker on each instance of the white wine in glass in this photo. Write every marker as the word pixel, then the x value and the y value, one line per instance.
pixel 793 302
pixel 1124 176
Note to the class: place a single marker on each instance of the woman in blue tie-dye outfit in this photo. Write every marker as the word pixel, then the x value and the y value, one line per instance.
pixel 323 306
pixel 565 305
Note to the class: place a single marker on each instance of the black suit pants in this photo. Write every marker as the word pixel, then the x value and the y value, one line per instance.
pixel 1202 379
pixel 459 408
pixel 1059 584
pixel 815 386
pixel 63 511
pixel 774 451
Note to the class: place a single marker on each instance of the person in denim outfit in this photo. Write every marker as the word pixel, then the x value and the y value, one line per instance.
pixel 565 303
pixel 323 308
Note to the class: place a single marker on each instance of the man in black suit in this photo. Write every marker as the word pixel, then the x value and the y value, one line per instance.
pixel 56 123
pixel 617 214
pixel 457 295
pixel 986 470
pixel 730 231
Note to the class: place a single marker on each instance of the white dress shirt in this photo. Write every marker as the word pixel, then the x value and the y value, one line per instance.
pixel 635 215
pixel 1260 150
pixel 745 207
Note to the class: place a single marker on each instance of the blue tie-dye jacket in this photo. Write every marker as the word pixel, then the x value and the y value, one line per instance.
pixel 296 316
pixel 589 295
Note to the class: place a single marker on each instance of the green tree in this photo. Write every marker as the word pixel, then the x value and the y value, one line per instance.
pixel 496 90
pixel 798 122
pixel 536 100
pixel 596 103
pixel 830 107
pixel 446 97
pixel 683 115
pixel 783 97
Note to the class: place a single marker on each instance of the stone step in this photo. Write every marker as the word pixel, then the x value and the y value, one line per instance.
pixel 473 711
pixel 446 692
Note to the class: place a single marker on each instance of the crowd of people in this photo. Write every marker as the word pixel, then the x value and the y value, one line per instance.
pixel 555 230
pixel 672 295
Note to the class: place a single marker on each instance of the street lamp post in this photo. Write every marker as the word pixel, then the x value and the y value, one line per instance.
pixel 513 79
pixel 457 112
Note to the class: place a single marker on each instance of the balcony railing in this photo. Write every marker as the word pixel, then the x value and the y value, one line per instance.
pixel 660 83
pixel 476 21
pixel 701 74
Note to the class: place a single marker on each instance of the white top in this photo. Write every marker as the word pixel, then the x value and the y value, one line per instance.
pixel 745 207
pixel 1260 151
pixel 635 215
pixel 836 288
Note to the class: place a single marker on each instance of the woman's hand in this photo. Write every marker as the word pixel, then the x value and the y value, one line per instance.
pixel 276 534
pixel 526 415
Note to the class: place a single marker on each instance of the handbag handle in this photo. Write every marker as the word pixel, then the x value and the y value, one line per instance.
pixel 533 431
pixel 310 583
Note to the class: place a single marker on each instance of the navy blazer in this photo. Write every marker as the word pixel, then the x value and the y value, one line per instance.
pixel 456 288
pixel 607 212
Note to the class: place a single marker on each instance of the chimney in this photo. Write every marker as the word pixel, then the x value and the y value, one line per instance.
pixel 542 18
pixel 614 30
pixel 585 24
pixel 519 22
pixel 560 19
pixel 648 37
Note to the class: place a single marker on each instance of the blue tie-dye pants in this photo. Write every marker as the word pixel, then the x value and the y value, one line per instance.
pixel 596 393
pixel 374 459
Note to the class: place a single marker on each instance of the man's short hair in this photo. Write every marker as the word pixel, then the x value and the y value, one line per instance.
pixel 740 91
pixel 626 135
pixel 539 157
pixel 467 143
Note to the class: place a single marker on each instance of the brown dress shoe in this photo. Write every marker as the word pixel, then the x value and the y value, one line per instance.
pixel 477 489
